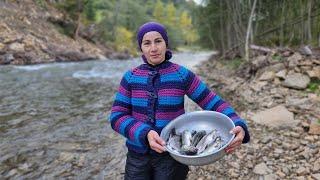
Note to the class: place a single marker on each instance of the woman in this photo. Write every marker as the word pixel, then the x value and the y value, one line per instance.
pixel 150 96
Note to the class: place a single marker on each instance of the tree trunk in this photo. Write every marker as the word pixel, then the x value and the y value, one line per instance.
pixel 76 31
pixel 249 29
pixel 309 22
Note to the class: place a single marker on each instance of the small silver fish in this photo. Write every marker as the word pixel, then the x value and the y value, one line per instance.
pixel 205 141
pixel 187 147
pixel 215 145
pixel 174 142
pixel 197 137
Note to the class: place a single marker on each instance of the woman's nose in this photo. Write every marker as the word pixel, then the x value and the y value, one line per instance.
pixel 153 47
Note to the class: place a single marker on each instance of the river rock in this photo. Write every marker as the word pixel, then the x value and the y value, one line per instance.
pixel 314 128
pixel 294 60
pixel 316 176
pixel 261 169
pixel 16 47
pixel 277 116
pixel 6 59
pixel 296 81
pixel 282 74
pixel 267 76
pixel 314 73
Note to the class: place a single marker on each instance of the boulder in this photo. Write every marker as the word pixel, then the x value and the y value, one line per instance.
pixel 277 116
pixel 294 60
pixel 267 76
pixel 314 73
pixel 296 81
pixel 282 74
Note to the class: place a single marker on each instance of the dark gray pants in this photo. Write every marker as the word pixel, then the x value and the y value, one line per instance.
pixel 154 167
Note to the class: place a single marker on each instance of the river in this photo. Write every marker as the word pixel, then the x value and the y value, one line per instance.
pixel 53 119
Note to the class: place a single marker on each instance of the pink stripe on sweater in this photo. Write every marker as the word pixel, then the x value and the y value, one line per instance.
pixel 119 122
pixel 139 94
pixel 222 107
pixel 123 91
pixel 133 129
pixel 171 92
pixel 195 83
pixel 207 99
pixel 139 116
pixel 140 72
pixel 169 115
pixel 118 108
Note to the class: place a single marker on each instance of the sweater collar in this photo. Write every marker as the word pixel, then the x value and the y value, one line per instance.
pixel 157 67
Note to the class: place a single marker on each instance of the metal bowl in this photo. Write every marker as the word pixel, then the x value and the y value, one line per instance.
pixel 200 120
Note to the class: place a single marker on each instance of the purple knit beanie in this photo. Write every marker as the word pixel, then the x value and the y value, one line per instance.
pixel 153 26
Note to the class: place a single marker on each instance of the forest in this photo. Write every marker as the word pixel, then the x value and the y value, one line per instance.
pixel 223 25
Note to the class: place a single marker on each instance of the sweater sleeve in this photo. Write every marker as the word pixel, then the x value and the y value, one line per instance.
pixel 209 100
pixel 121 118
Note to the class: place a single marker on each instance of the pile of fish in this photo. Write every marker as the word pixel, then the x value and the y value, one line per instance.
pixel 194 142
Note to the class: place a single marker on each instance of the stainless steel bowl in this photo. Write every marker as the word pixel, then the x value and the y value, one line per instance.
pixel 200 120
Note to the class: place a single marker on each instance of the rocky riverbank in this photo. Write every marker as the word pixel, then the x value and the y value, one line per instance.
pixel 273 94
pixel 31 34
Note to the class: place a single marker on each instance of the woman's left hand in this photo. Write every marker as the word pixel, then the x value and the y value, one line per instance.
pixel 237 141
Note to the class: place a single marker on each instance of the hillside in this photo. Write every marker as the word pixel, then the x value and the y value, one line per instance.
pixel 28 36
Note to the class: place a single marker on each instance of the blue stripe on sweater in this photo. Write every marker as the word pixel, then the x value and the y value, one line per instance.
pixel 122 98
pixel 212 102
pixel 114 114
pixel 169 77
pixel 228 111
pixel 124 124
pixel 161 123
pixel 139 79
pixel 138 132
pixel 184 72
pixel 167 100
pixel 198 90
pixel 142 102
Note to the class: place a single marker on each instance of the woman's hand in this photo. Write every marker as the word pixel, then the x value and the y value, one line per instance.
pixel 237 141
pixel 155 142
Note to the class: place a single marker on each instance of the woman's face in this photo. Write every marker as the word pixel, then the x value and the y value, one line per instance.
pixel 153 47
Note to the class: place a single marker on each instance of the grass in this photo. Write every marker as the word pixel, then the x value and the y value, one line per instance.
pixel 234 63
pixel 314 86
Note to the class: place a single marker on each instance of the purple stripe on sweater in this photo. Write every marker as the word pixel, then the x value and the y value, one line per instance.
pixel 222 107
pixel 139 94
pixel 139 116
pixel 118 108
pixel 207 99
pixel 170 69
pixel 234 117
pixel 123 91
pixel 133 129
pixel 119 122
pixel 169 115
pixel 140 72
pixel 171 92
pixel 195 83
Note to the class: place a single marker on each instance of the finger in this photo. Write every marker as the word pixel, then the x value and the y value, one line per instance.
pixel 155 146
pixel 235 130
pixel 235 145
pixel 160 140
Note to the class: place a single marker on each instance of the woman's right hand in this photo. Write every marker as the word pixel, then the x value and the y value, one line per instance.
pixel 155 141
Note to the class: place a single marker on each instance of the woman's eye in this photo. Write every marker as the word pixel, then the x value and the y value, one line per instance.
pixel 158 41
pixel 146 43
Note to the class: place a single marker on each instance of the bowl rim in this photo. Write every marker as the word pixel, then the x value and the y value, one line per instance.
pixel 204 155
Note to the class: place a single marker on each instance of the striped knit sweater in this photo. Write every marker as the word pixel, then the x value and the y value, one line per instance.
pixel 149 97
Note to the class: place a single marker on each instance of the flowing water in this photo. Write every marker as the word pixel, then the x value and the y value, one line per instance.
pixel 53 119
